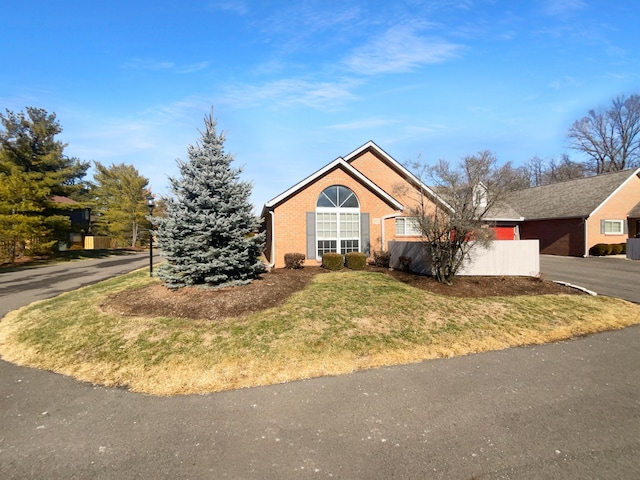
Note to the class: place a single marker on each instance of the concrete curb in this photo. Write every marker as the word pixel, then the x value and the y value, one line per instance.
pixel 577 287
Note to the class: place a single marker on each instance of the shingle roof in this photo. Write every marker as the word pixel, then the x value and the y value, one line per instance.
pixel 635 211
pixel 573 198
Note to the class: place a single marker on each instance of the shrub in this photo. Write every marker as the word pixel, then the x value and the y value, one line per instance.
pixel 405 263
pixel 616 249
pixel 356 260
pixel 624 248
pixel 382 259
pixel 600 249
pixel 332 261
pixel 293 260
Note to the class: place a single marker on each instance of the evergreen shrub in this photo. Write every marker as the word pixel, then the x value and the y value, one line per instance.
pixel 356 260
pixel 293 260
pixel 616 249
pixel 405 263
pixel 332 261
pixel 600 249
pixel 382 259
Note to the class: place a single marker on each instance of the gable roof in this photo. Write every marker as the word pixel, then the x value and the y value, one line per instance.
pixel 337 163
pixel 570 199
pixel 61 199
pixel 396 166
pixel 635 211
pixel 345 163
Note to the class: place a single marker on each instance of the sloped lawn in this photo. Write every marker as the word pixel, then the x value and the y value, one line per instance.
pixel 327 324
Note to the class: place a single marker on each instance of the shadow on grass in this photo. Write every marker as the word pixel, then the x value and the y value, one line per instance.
pixel 61 257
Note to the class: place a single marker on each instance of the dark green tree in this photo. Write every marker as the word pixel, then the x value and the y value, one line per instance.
pixel 28 142
pixel 208 232
pixel 33 169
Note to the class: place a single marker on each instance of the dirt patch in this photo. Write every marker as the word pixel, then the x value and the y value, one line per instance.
pixel 274 288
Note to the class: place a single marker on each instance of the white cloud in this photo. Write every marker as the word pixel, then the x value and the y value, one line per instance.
pixel 562 7
pixel 235 6
pixel 160 65
pixel 564 82
pixel 400 49
pixel 361 124
pixel 291 92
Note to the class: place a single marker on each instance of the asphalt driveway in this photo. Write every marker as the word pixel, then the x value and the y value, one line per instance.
pixel 612 276
pixel 567 410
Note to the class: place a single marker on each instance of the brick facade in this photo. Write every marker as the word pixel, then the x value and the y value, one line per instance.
pixel 285 218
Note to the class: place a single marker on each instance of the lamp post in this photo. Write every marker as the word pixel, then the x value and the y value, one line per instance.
pixel 150 203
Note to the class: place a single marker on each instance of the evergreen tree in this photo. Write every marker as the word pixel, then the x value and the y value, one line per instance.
pixel 28 143
pixel 208 233
pixel 33 168
pixel 120 204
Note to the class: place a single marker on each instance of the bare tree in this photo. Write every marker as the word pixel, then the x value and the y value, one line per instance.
pixel 469 191
pixel 610 138
pixel 562 170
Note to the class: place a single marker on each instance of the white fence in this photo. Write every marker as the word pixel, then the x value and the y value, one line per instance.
pixel 516 258
pixel 633 248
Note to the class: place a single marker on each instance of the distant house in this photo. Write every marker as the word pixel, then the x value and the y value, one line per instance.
pixel 568 218
pixel 354 203
pixel 78 215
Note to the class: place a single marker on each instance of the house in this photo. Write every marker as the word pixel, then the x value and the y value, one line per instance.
pixel 568 218
pixel 78 215
pixel 359 203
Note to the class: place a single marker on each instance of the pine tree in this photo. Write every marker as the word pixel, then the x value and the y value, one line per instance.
pixel 120 204
pixel 208 233
pixel 33 168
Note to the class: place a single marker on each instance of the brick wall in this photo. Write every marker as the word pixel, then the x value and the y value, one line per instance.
pixel 290 215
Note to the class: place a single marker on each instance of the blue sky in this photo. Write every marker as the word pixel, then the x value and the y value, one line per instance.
pixel 296 84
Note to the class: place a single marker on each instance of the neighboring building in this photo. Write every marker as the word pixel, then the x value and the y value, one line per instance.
pixel 362 201
pixel 78 215
pixel 355 203
pixel 568 218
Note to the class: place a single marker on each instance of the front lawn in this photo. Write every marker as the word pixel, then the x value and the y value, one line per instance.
pixel 341 322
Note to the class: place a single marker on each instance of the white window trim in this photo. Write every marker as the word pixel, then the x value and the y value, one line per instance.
pixel 619 222
pixel 339 237
pixel 406 221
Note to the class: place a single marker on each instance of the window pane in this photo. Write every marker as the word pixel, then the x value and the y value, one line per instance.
pixel 412 227
pixel 612 226
pixel 326 246
pixel 399 226
pixel 328 197
pixel 347 246
pixel 346 198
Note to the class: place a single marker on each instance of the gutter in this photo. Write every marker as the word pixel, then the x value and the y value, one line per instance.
pixel 382 220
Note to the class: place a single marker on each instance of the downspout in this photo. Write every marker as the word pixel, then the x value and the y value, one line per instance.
pixel 273 241
pixel 382 220
pixel 586 240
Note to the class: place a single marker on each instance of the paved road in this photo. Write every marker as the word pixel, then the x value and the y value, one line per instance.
pixel 612 276
pixel 567 411
pixel 22 287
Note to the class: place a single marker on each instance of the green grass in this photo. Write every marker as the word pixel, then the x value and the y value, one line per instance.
pixel 340 323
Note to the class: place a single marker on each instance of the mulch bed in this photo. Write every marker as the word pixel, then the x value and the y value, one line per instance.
pixel 275 287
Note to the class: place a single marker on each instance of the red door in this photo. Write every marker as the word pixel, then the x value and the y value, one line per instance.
pixel 504 233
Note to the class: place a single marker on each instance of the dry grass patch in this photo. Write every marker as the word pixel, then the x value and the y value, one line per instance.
pixel 334 323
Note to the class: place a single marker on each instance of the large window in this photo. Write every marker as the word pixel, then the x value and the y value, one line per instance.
pixel 337 221
pixel 407 226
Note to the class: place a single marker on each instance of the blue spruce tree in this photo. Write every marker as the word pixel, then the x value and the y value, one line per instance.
pixel 208 234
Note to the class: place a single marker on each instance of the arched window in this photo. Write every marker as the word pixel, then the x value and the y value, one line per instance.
pixel 337 221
